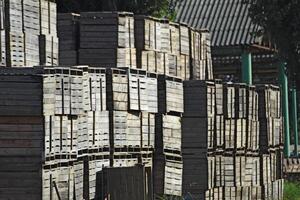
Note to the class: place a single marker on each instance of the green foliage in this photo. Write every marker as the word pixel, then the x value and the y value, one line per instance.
pixel 157 8
pixel 291 191
pixel 280 21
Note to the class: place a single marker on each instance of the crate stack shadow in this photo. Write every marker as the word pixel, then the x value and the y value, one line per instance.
pixel 232 141
pixel 28 33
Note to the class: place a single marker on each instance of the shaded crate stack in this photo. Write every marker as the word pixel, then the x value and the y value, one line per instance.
pixel 25 118
pixel 270 141
pixel 107 39
pixel 68 33
pixel 48 33
pixel 220 134
pixel 198 138
pixel 21 136
pixel 271 136
pixel 168 163
pixel 201 61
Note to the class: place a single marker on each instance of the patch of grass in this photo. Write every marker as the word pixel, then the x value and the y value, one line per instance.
pixel 291 191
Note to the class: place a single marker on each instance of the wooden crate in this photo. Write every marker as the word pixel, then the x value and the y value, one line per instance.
pixel 48 50
pixel 152 92
pixel 96 164
pixel 15 56
pixel 148 130
pixel 252 103
pixel 229 101
pixel 256 193
pixel 199 99
pixel 21 141
pixel 78 179
pixel 124 159
pixel 83 135
pixel 170 94
pixel 3 47
pixel 68 34
pixel 167 176
pixel 219 97
pixel 164 31
pixel 108 58
pixel 219 132
pixel 137 84
pixel 212 194
pixel 101 30
pixel 98 129
pixel 127 183
pixel 253 135
pixel 230 136
pixel 48 17
pixel 241 101
pixel 198 133
pixel 174 38
pixel 60 138
pixel 198 175
pixel 167 133
pixel 13 15
pixel 62 88
pixel 117 88
pixel 61 178
pixel 98 89
pixel 145 32
pixel 134 130
pixel 21 93
pixel 118 129
pixel 271 133
pixel 173 62
pixel 269 101
pixel 31 16
pixel 184 39
pixel 240 137
pixel 184 70
pixel 31 52
pixel 147 61
pixel 265 169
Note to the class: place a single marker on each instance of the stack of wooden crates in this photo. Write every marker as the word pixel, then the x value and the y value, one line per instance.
pixel 62 125
pixel 120 39
pixel 271 140
pixel 231 149
pixel 28 33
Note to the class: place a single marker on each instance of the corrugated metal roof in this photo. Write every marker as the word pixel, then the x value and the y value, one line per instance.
pixel 227 20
